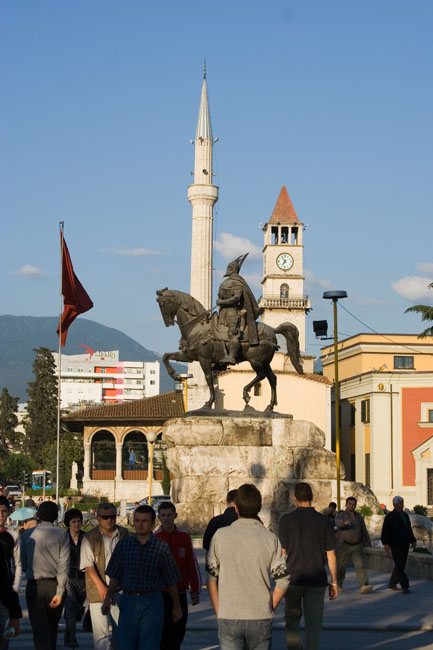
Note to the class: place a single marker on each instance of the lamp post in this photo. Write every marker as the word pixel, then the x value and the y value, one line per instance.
pixel 334 296
pixel 182 385
pixel 151 439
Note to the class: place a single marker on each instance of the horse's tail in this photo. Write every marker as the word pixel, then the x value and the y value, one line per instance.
pixel 291 334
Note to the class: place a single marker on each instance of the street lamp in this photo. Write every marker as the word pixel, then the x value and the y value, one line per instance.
pixel 334 296
pixel 151 439
pixel 182 386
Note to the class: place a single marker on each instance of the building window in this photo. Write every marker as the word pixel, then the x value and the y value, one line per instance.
pixel 70 370
pixel 258 390
pixel 152 372
pixel 365 410
pixel 430 415
pixel 80 369
pixel 367 470
pixel 430 487
pixel 403 362
pixel 152 382
pixel 284 291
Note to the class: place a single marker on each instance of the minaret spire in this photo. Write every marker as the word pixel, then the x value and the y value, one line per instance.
pixel 202 195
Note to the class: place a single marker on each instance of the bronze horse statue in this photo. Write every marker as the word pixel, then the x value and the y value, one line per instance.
pixel 200 342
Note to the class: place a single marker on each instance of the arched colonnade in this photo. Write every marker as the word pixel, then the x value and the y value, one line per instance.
pixel 121 453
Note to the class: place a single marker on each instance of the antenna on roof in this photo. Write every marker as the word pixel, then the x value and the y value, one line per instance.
pixel 204 68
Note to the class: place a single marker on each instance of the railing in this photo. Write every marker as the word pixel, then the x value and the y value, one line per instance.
pixel 288 303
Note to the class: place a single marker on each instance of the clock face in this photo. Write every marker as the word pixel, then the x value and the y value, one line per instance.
pixel 285 261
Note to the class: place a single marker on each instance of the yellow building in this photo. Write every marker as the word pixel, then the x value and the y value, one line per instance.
pixel 386 392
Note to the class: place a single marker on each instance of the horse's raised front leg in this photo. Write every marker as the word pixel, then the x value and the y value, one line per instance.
pixel 173 356
pixel 260 374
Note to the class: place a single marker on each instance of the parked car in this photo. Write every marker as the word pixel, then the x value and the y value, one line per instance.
pixel 14 491
pixel 154 502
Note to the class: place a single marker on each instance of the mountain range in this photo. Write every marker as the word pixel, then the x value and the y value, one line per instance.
pixel 19 335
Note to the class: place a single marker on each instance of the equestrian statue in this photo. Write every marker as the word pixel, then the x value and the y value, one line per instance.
pixel 217 340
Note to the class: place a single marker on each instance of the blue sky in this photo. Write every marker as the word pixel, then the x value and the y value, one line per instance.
pixel 332 98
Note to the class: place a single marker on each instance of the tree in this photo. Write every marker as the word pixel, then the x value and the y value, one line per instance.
pixel 9 438
pixel 71 450
pixel 41 421
pixel 14 466
pixel 427 314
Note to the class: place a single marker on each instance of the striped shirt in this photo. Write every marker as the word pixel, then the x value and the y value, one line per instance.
pixel 143 567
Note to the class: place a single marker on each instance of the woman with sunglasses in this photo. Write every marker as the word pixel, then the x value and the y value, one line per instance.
pixel 76 586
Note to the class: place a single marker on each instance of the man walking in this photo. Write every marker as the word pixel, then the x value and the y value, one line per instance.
pixel 308 540
pixel 9 541
pixel 180 544
pixel 241 561
pixel 96 550
pixel 45 563
pixel 142 566
pixel 396 536
pixel 352 536
pixel 220 521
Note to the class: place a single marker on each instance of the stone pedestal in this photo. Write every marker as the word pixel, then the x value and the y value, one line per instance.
pixel 207 456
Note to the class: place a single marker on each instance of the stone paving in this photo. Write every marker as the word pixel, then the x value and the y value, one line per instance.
pixel 380 619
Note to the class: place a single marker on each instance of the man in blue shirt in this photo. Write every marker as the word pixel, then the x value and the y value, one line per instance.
pixel 142 566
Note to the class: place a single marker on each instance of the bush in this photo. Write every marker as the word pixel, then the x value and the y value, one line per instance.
pixel 422 550
pixel 420 510
pixel 365 511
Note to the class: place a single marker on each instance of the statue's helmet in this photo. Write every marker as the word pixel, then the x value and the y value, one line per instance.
pixel 235 266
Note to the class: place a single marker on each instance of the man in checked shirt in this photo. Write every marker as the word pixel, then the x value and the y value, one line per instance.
pixel 141 566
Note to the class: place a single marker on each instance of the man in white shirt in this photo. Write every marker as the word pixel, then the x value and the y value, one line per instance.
pixel 96 549
pixel 242 559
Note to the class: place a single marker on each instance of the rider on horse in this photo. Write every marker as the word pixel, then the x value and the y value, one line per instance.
pixel 236 301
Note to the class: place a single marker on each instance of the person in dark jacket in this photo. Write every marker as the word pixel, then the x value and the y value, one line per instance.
pixel 8 596
pixel 76 585
pixel 220 521
pixel 396 537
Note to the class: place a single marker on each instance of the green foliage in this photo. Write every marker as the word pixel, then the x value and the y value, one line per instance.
pixel 420 510
pixel 166 481
pixel 13 467
pixel 41 420
pixel 365 511
pixel 71 449
pixel 9 438
pixel 422 550
pixel 426 312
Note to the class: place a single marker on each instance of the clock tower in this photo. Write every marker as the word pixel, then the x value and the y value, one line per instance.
pixel 283 282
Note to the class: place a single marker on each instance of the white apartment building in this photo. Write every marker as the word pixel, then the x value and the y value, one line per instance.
pixel 98 377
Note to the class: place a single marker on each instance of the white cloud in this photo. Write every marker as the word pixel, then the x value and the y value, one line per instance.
pixel 135 252
pixel 29 271
pixel 231 246
pixel 314 284
pixel 414 288
pixel 426 267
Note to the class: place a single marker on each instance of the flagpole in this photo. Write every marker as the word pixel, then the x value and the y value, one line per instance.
pixel 59 367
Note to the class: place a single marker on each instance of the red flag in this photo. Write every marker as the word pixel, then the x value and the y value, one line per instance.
pixel 75 299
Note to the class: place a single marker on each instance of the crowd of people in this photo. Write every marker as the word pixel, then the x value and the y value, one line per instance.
pixel 131 590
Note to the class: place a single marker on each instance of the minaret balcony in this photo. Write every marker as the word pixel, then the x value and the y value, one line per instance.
pixel 294 302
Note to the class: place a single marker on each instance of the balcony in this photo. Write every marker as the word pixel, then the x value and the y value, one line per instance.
pixel 294 302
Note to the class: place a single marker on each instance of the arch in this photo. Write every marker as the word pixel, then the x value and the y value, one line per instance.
pixel 159 451
pixel 103 455
pixel 135 456
pixel 284 291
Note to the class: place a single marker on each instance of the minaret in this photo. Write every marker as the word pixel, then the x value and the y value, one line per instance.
pixel 202 195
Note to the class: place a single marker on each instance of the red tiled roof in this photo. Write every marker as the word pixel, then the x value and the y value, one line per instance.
pixel 284 212
pixel 160 407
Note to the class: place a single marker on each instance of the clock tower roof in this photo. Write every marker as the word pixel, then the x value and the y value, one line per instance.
pixel 284 212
